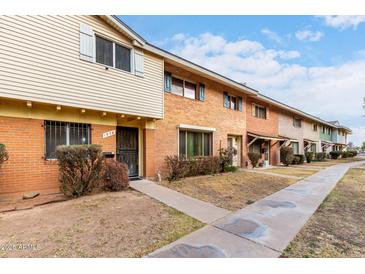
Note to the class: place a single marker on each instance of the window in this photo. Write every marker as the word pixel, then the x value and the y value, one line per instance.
pixel 62 133
pixel 177 86
pixel 297 122
pixel 122 58
pixel 104 51
pixel 295 146
pixel 260 112
pixel 315 127
pixel 190 90
pixel 313 148
pixel 232 102
pixel 113 55
pixel 195 143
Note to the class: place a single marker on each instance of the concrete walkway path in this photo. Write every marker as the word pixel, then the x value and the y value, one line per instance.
pixel 264 228
pixel 202 211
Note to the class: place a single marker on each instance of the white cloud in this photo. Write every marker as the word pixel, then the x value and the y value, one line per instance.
pixel 342 22
pixel 331 92
pixel 358 135
pixel 272 35
pixel 307 35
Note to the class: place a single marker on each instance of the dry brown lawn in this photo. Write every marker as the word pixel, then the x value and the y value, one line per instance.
pixel 231 191
pixel 337 229
pixel 122 224
pixel 291 171
pixel 328 163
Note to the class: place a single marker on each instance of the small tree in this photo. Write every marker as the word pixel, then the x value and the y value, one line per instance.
pixel 335 154
pixel 286 155
pixel 225 157
pixel 254 158
pixel 4 156
pixel 309 156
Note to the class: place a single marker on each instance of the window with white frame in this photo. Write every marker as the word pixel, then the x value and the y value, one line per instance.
pixel 295 146
pixel 183 88
pixel 260 112
pixel 112 54
pixel 193 143
pixel 63 133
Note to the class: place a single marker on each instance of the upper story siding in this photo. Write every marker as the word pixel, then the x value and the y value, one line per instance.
pixel 309 132
pixel 324 134
pixel 40 61
pixel 339 136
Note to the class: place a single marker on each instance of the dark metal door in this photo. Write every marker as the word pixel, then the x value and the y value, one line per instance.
pixel 127 148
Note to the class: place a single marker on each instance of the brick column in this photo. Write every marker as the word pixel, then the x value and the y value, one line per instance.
pixel 149 145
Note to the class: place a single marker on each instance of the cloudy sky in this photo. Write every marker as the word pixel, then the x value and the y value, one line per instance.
pixel 315 63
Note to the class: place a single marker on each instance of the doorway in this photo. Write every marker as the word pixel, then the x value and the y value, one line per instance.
pixel 127 149
pixel 234 142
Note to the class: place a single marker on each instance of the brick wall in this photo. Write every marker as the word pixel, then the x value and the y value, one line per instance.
pixel 210 113
pixel 26 170
pixel 267 127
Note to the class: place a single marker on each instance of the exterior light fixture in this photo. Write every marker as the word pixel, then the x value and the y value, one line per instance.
pixel 29 104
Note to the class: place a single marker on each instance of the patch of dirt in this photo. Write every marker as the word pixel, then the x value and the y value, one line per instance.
pixel 121 224
pixel 337 228
pixel 231 191
pixel 291 171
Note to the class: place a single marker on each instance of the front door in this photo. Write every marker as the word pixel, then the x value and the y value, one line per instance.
pixel 127 148
pixel 234 143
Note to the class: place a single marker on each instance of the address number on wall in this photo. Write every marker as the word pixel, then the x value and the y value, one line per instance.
pixel 108 133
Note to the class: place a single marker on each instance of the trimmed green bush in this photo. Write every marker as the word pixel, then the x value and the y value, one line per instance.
pixel 301 158
pixel 336 154
pixel 180 167
pixel 346 154
pixel 254 158
pixel 320 156
pixel 80 168
pixel 231 169
pixel 296 160
pixel 309 156
pixel 4 156
pixel 286 155
pixel 116 175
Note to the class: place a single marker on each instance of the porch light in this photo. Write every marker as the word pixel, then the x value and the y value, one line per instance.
pixel 58 108
pixel 122 116
pixel 104 113
pixel 138 118
pixel 83 110
pixel 29 104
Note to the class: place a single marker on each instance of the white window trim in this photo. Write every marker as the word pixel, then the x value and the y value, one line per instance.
pixel 185 80
pixel 195 128
pixel 131 48
pixel 186 141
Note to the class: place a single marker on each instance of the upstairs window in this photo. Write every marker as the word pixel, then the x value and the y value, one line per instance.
pixel 260 112
pixel 104 51
pixel 183 87
pixel 177 86
pixel 113 55
pixel 297 122
pixel 315 127
pixel 62 133
pixel 190 90
pixel 232 102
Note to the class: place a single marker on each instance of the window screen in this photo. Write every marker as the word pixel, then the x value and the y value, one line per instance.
pixel 122 58
pixel 104 51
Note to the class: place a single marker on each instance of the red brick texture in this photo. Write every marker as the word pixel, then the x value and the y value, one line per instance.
pixel 267 127
pixel 27 170
pixel 210 113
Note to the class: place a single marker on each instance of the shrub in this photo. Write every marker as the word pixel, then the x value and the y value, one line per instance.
pixel 354 153
pixel 350 153
pixel 225 157
pixel 335 154
pixel 346 154
pixel 80 168
pixel 301 159
pixel 4 156
pixel 116 175
pixel 309 156
pixel 180 167
pixel 286 155
pixel 254 158
pixel 296 160
pixel 230 169
pixel 320 156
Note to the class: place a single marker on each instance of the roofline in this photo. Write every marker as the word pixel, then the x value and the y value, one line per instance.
pixel 125 28
pixel 248 90
pixel 173 57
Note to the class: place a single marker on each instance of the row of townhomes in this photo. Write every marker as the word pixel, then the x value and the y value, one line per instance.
pixel 68 80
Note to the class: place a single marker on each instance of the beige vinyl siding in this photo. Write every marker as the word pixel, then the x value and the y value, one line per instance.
pixel 40 61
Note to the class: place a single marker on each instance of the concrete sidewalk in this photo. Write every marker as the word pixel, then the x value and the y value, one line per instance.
pixel 202 211
pixel 262 229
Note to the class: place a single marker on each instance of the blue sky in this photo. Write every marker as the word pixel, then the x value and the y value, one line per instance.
pixel 311 62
